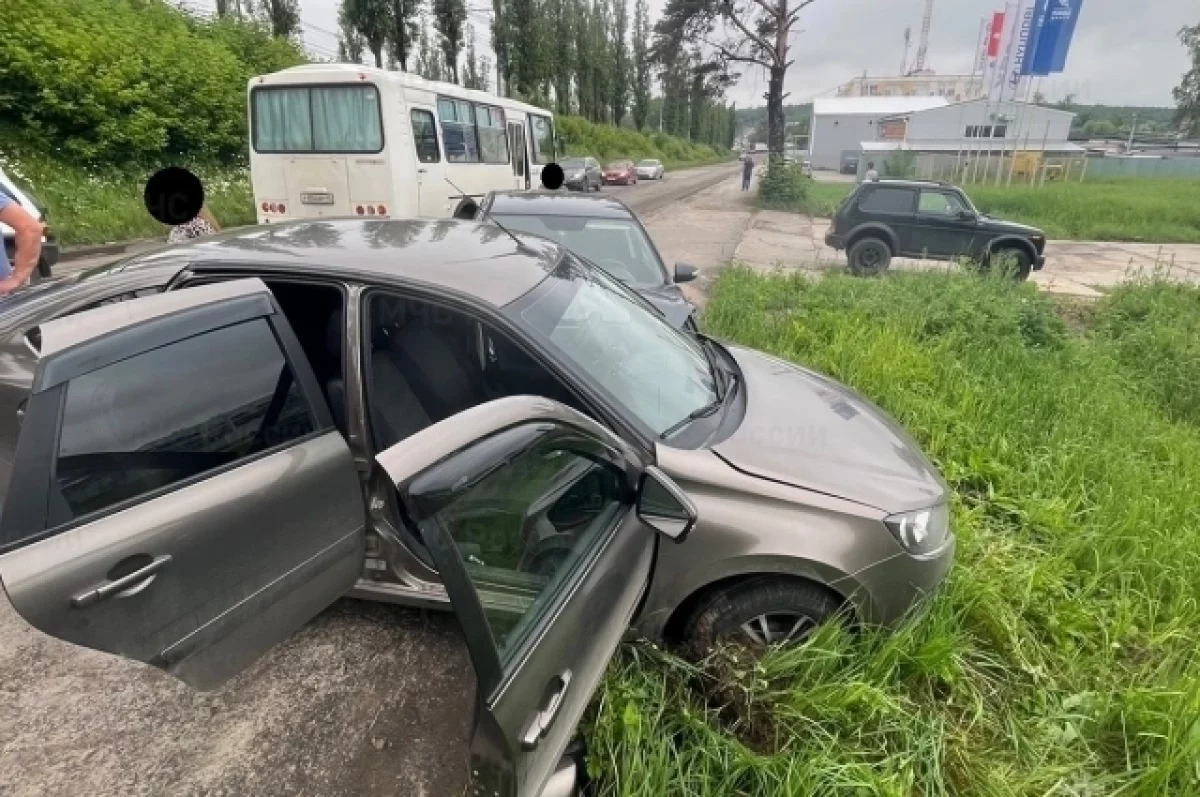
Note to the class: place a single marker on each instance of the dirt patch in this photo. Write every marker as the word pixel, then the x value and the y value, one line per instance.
pixel 1078 313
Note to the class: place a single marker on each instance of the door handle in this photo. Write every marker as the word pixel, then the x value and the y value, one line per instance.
pixel 539 724
pixel 422 171
pixel 126 585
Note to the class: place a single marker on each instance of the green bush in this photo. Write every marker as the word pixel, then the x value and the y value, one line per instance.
pixel 606 143
pixel 783 185
pixel 119 82
pixel 901 165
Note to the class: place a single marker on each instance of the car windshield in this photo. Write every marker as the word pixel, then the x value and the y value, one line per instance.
pixel 617 165
pixel 647 163
pixel 623 346
pixel 571 163
pixel 619 246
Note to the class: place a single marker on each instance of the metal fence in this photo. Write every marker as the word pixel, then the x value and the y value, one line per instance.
pixel 1116 168
pixel 973 167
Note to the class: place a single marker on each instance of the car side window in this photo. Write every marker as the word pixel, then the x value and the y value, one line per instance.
pixel 885 199
pixel 173 413
pixel 940 203
pixel 425 136
pixel 522 530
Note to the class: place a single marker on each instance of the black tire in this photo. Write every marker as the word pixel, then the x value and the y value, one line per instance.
pixel 791 608
pixel 43 269
pixel 869 257
pixel 1014 258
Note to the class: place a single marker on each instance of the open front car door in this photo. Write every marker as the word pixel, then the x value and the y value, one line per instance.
pixel 532 513
pixel 179 493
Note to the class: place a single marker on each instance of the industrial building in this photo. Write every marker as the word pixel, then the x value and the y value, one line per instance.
pixel 1000 138
pixel 841 124
pixel 955 88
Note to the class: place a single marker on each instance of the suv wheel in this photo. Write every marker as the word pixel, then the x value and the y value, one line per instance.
pixel 1014 259
pixel 869 256
pixel 759 613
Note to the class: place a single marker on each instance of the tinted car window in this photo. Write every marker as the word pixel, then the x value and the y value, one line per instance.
pixel 940 203
pixel 888 200
pixel 173 413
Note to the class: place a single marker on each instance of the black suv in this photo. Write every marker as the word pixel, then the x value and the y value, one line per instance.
pixel 882 219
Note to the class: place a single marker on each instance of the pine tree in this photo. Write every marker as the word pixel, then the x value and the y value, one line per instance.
pixel 372 20
pixel 449 20
pixel 641 64
pixel 621 73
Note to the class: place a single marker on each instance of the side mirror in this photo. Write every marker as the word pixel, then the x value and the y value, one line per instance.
pixel 685 272
pixel 664 507
pixel 966 215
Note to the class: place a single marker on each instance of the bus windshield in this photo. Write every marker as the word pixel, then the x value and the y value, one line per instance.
pixel 316 119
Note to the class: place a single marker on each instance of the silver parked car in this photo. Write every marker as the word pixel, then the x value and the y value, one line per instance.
pixel 203 446
pixel 650 169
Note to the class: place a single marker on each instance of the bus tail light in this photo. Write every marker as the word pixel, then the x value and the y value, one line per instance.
pixel 370 210
pixel 282 208
pixel 382 210
pixel 265 207
pixel 359 210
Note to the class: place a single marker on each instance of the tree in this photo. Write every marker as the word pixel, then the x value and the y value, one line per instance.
pixel 524 48
pixel 620 72
pixel 283 17
pixel 1187 93
pixel 500 42
pixel 641 64
pixel 754 32
pixel 372 19
pixel 602 68
pixel 449 20
pixel 402 31
pixel 562 49
pixel 429 58
pixel 350 41
pixel 474 76
pixel 1066 103
pixel 585 58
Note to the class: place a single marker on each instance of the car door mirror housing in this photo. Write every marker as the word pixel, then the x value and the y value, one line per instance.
pixel 685 272
pixel 966 215
pixel 664 507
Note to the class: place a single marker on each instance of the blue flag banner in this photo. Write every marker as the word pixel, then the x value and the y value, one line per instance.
pixel 1040 10
pixel 1055 40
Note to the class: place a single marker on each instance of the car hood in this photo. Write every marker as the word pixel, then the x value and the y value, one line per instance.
pixel 669 301
pixel 804 429
pixel 1000 225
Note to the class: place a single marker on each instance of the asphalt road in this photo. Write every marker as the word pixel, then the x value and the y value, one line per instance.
pixel 367 699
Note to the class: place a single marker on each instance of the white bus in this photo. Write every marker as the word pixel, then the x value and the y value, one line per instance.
pixel 348 140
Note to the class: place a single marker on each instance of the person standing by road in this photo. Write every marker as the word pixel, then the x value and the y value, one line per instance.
pixel 204 224
pixel 747 172
pixel 28 245
pixel 871 175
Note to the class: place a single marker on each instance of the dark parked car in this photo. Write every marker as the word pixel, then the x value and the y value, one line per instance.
pixel 605 232
pixel 849 164
pixel 582 174
pixel 23 196
pixel 621 173
pixel 883 219
pixel 203 446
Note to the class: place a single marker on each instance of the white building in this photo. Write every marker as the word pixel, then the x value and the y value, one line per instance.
pixel 841 124
pixel 974 130
pixel 955 88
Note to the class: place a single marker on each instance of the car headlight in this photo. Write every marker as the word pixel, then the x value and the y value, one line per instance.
pixel 577 176
pixel 921 531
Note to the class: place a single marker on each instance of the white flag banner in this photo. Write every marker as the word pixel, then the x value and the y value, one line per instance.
pixel 1018 49
pixel 999 71
pixel 981 47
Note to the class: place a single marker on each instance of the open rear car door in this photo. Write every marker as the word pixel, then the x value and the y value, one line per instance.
pixel 543 526
pixel 179 495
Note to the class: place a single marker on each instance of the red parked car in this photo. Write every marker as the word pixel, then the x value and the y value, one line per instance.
pixel 620 173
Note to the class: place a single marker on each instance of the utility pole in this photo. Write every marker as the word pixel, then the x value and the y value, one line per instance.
pixel 1132 130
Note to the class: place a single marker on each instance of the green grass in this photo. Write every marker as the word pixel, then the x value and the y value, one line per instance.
pixel 1159 211
pixel 1062 657
pixel 87 206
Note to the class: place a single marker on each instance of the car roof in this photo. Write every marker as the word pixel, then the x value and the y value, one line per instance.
pixel 909 183
pixel 557 203
pixel 470 257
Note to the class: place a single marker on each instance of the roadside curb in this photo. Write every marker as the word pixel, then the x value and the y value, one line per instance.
pixel 79 252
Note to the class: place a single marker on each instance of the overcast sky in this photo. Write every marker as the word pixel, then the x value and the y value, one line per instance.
pixel 1126 52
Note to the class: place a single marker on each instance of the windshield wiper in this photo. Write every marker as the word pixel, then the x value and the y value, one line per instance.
pixel 699 412
pixel 718 372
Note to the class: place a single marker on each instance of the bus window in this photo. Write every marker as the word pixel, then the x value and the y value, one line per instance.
pixel 458 131
pixel 493 140
pixel 542 136
pixel 425 136
pixel 331 119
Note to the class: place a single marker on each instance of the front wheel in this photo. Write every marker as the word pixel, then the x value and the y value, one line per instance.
pixel 1012 260
pixel 759 613
pixel 869 257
